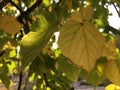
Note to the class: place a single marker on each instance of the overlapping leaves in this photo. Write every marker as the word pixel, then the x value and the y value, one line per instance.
pixel 112 71
pixel 80 41
pixel 69 69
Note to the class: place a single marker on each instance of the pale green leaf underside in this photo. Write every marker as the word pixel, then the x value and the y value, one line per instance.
pixel 34 41
pixel 82 43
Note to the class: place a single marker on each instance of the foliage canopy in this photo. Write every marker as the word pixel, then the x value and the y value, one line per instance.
pixel 28 33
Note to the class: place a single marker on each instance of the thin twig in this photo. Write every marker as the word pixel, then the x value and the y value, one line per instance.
pixel 15 6
pixel 3 3
pixel 116 9
pixel 20 81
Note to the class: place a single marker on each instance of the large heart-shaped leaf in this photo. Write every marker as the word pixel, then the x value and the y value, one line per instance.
pixel 80 41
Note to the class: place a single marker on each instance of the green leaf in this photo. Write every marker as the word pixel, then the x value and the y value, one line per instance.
pixel 5 80
pixel 33 43
pixel 80 41
pixel 4 75
pixel 96 76
pixel 70 70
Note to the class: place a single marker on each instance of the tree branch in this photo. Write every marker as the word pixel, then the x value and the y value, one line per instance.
pixel 29 10
pixel 20 81
pixel 3 3
pixel 15 6
pixel 116 9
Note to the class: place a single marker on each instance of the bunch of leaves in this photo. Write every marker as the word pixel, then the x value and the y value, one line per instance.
pixel 83 49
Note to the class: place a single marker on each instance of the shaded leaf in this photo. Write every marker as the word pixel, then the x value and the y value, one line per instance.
pixel 4 75
pixel 112 72
pixel 9 24
pixel 96 76
pixel 70 70
pixel 5 80
pixel 69 3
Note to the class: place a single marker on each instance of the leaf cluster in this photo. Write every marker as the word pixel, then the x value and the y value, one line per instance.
pixel 28 35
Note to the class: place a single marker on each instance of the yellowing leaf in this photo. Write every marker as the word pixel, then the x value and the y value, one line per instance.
pixel 46 2
pixel 83 44
pixel 87 13
pixel 112 87
pixel 68 3
pixel 9 24
pixel 110 49
pixel 84 15
pixel 112 72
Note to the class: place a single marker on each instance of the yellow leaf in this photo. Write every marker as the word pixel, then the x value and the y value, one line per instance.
pixel 110 49
pixel 112 72
pixel 46 2
pixel 9 24
pixel 87 13
pixel 112 87
pixel 84 15
pixel 81 42
pixel 68 3
pixel 76 17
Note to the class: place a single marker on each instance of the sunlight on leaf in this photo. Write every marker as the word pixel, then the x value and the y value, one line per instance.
pixel 87 13
pixel 112 87
pixel 33 42
pixel 112 72
pixel 110 50
pixel 9 24
pixel 46 2
pixel 81 41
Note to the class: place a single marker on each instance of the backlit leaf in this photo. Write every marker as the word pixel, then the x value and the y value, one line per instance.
pixel 33 42
pixel 82 43
pixel 46 2
pixel 87 13
pixel 112 72
pixel 110 49
pixel 9 24
pixel 112 87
